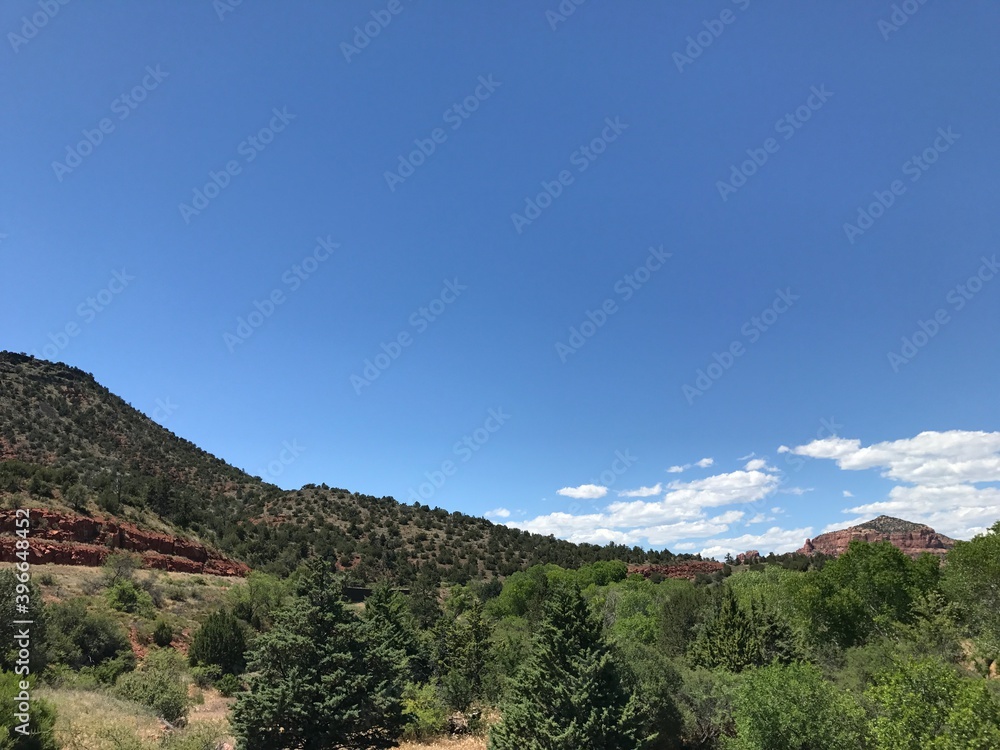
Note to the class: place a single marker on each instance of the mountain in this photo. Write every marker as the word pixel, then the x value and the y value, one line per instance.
pixel 71 447
pixel 912 538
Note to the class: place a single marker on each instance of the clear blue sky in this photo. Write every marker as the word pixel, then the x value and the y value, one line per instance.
pixel 657 248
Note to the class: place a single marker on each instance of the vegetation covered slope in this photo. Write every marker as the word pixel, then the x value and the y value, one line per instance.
pixel 68 442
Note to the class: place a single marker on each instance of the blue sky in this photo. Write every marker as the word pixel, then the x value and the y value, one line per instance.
pixel 477 254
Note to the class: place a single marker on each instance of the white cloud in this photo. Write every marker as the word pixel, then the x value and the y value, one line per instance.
pixel 703 463
pixel 845 524
pixel 756 464
pixel 679 514
pixel 656 489
pixel 848 493
pixel 584 492
pixel 498 513
pixel 775 539
pixel 940 471
pixel 796 490
pixel 930 458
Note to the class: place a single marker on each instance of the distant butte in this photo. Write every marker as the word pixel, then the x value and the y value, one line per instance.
pixel 913 539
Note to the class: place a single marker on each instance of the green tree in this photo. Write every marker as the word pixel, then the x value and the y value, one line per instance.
pixel 320 678
pixel 220 642
pixel 729 639
pixel 925 704
pixel 570 692
pixel 392 622
pixel 41 717
pixel 791 707
pixel 972 579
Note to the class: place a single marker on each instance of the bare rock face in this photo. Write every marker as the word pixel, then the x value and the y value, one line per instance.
pixel 65 539
pixel 749 557
pixel 913 539
pixel 689 569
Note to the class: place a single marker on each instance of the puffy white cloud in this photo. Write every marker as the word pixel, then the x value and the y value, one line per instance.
pixel 679 514
pixel 777 539
pixel 498 513
pixel 940 471
pixel 704 463
pixel 584 492
pixel 930 458
pixel 756 464
pixel 677 469
pixel 656 489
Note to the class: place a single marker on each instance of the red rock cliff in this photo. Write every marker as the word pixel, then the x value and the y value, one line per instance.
pixel 66 539
pixel 913 539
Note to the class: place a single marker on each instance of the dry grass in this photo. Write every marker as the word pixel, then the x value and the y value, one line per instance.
pixel 464 743
pixel 85 720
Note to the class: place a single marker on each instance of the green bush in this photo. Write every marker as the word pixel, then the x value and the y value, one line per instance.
pixel 163 634
pixel 80 638
pixel 157 684
pixel 125 596
pixel 220 641
pixel 229 685
pixel 40 724
pixel 425 711
pixel 206 676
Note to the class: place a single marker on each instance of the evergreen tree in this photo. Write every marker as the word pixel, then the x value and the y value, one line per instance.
pixel 569 693
pixel 729 639
pixel 220 642
pixel 321 677
pixel 390 619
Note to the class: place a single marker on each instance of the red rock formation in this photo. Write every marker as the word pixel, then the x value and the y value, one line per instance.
pixel 65 539
pixel 913 539
pixel 748 558
pixel 688 569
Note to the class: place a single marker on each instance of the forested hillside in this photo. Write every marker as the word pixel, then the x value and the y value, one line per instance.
pixel 67 442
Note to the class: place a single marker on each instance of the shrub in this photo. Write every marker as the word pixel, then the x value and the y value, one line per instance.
pixel 156 684
pixel 425 711
pixel 206 676
pixel 163 634
pixel 229 685
pixel 121 566
pixel 125 596
pixel 41 722
pixel 220 641
pixel 79 638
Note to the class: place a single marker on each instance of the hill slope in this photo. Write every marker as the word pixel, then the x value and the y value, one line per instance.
pixel 69 444
pixel 912 538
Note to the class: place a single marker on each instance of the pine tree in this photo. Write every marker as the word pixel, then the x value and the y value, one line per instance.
pixel 321 677
pixel 569 693
pixel 220 642
pixel 729 640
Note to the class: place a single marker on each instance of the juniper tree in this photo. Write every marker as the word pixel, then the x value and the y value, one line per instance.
pixel 321 677
pixel 569 693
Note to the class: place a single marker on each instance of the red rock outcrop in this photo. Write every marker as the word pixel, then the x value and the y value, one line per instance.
pixel 65 539
pixel 913 539
pixel 749 557
pixel 689 569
